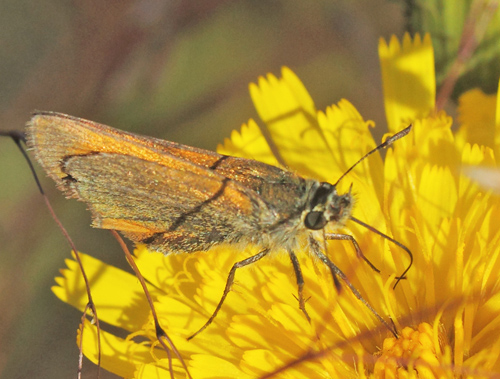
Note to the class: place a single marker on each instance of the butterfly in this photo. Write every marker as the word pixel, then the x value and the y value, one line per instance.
pixel 181 199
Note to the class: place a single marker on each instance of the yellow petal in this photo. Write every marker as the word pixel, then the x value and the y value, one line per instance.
pixel 290 118
pixel 117 294
pixel 408 79
pixel 210 367
pixel 248 143
pixel 477 117
pixel 118 355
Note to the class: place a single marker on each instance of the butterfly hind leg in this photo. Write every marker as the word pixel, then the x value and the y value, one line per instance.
pixel 229 283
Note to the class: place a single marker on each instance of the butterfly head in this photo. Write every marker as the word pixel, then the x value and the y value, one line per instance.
pixel 326 205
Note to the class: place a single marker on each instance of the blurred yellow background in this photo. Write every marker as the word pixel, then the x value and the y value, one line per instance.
pixel 177 70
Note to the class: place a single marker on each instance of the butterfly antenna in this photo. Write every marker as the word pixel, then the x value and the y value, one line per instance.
pixel 388 142
pixel 19 139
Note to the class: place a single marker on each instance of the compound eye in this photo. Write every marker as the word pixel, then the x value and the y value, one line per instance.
pixel 315 220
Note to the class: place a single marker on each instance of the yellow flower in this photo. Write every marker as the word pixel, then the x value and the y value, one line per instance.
pixel 447 311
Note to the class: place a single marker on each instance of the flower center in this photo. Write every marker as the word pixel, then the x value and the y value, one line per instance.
pixel 416 353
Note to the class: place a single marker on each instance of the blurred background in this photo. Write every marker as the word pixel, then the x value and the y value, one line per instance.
pixel 177 70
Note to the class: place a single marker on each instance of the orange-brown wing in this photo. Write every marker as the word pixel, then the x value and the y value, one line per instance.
pixel 172 209
pixel 238 195
pixel 54 136
pixel 135 185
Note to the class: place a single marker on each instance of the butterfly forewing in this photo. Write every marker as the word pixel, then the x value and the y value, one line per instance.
pixel 55 136
pixel 145 188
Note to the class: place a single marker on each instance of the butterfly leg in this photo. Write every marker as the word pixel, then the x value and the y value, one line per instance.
pixel 300 283
pixel 359 253
pixel 315 247
pixel 229 283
